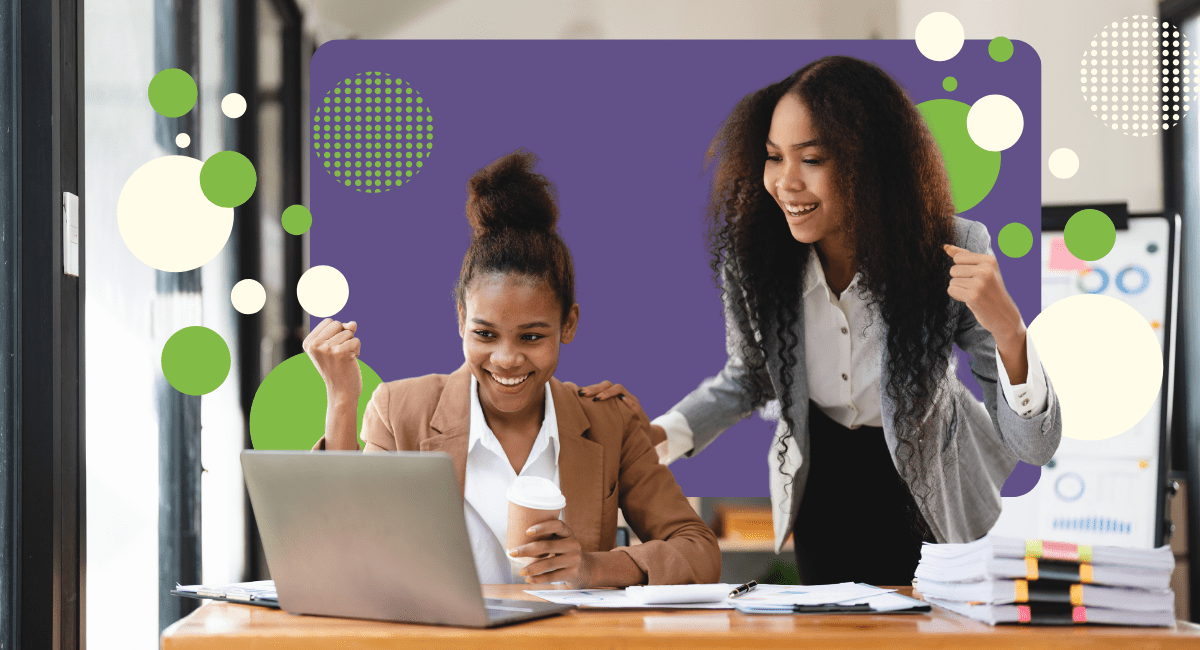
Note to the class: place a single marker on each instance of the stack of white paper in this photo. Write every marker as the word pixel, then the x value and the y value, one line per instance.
pixel 1005 580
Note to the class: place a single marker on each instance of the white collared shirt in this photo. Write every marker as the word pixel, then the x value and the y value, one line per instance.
pixel 843 352
pixel 488 477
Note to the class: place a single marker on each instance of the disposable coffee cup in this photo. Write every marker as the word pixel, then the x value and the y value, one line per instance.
pixel 531 500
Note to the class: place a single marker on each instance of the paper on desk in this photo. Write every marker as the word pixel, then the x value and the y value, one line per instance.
pixel 260 589
pixel 614 598
pixel 763 596
pixel 679 594
pixel 787 595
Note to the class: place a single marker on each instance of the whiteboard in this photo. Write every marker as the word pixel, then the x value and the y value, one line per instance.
pixel 1103 491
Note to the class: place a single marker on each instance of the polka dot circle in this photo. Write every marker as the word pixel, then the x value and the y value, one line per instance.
pixel 939 36
pixel 296 220
pixel 1089 235
pixel 195 360
pixel 322 291
pixel 995 122
pixel 165 219
pixel 233 105
pixel 1137 76
pixel 1000 49
pixel 1015 240
pixel 949 84
pixel 248 296
pixel 1063 163
pixel 1104 361
pixel 373 132
pixel 172 92
pixel 183 140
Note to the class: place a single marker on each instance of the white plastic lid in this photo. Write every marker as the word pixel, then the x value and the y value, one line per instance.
pixel 537 493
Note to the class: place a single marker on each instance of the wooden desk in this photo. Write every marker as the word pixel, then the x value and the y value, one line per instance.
pixel 226 626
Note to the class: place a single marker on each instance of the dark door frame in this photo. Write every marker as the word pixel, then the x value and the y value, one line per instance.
pixel 42 403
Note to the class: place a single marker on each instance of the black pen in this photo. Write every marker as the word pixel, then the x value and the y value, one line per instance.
pixel 743 589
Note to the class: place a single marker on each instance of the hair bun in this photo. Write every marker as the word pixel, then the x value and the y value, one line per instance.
pixel 509 194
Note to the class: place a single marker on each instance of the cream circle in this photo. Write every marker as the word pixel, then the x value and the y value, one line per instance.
pixel 233 105
pixel 322 291
pixel 1104 362
pixel 183 140
pixel 1063 163
pixel 165 219
pixel 248 296
pixel 995 122
pixel 939 36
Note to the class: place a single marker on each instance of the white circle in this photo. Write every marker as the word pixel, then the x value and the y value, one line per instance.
pixel 248 296
pixel 183 140
pixel 233 105
pixel 1063 163
pixel 995 122
pixel 165 219
pixel 322 291
pixel 939 36
pixel 1104 361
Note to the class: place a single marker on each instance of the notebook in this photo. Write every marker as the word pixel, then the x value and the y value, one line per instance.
pixel 992 546
pixel 998 592
pixel 261 592
pixel 1055 614
pixel 1035 569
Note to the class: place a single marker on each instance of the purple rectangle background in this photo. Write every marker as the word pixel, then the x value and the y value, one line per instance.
pixel 621 128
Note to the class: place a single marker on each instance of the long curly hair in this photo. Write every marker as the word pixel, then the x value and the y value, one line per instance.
pixel 889 176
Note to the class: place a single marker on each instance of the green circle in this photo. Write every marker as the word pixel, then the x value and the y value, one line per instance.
pixel 1015 240
pixel 172 92
pixel 1089 235
pixel 288 411
pixel 972 170
pixel 1000 49
pixel 195 360
pixel 949 84
pixel 228 179
pixel 297 219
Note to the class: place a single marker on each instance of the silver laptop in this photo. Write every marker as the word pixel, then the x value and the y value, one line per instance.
pixel 377 536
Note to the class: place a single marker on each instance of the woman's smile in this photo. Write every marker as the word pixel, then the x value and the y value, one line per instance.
pixel 509 383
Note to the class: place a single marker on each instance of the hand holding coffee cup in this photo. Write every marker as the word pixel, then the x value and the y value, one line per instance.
pixel 539 540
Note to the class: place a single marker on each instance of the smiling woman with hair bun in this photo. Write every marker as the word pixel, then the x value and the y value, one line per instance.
pixel 503 415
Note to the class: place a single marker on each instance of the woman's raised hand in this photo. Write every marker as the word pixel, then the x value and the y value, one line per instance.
pixel 334 350
pixel 975 280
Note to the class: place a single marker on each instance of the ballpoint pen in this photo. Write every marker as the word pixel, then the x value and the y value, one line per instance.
pixel 746 588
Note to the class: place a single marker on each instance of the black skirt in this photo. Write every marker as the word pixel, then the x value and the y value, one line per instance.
pixel 857 521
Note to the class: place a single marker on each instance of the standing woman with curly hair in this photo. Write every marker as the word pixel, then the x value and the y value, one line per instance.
pixel 847 281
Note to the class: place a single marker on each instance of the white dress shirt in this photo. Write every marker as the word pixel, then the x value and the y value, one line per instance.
pixel 843 339
pixel 488 477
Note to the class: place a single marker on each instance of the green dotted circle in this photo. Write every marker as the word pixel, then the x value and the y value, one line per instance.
pixel 172 92
pixel 1000 49
pixel 1015 239
pixel 1089 235
pixel 195 360
pixel 228 179
pixel 949 84
pixel 297 219
pixel 288 411
pixel 375 91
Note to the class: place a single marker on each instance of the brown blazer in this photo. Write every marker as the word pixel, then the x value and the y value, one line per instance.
pixel 606 461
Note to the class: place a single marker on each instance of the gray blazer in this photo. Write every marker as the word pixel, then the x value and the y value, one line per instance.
pixel 977 444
